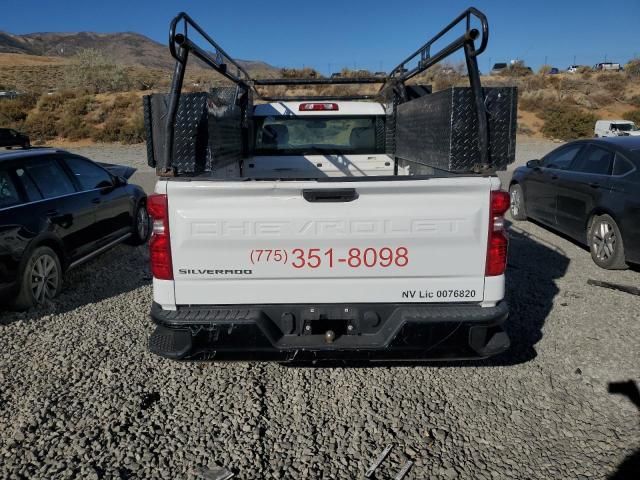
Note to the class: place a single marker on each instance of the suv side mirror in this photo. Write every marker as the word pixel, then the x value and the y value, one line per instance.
pixel 120 181
pixel 535 163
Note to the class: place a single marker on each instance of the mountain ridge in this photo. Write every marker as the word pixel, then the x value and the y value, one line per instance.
pixel 123 48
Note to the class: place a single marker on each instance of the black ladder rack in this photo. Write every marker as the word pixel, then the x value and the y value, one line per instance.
pixel 393 85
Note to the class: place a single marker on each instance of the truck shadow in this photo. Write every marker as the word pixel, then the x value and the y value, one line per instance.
pixel 630 466
pixel 119 270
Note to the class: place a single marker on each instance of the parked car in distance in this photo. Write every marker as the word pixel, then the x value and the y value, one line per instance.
pixel 58 210
pixel 553 71
pixel 498 68
pixel 608 66
pixel 12 138
pixel 616 128
pixel 588 190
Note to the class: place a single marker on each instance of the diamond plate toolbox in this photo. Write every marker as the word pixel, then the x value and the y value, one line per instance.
pixel 441 129
pixel 207 130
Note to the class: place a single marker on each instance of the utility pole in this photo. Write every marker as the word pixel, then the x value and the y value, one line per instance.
pixel 545 60
pixel 574 59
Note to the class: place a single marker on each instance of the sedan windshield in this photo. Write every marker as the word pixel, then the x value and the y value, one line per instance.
pixel 279 135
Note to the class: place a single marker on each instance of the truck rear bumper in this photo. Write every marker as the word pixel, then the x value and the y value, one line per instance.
pixel 289 333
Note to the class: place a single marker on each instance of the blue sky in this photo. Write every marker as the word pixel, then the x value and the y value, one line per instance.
pixel 372 34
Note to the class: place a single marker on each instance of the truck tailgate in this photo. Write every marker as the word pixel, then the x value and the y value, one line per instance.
pixel 379 241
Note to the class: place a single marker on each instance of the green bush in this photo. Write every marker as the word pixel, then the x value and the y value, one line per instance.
pixel 567 123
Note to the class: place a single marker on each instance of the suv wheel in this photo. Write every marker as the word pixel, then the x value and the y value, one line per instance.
pixel 518 211
pixel 41 278
pixel 605 243
pixel 141 226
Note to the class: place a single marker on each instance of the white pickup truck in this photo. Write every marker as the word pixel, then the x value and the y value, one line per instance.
pixel 320 244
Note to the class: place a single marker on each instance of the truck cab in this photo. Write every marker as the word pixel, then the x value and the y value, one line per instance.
pixel 616 128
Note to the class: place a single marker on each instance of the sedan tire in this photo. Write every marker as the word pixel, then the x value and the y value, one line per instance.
pixel 605 243
pixel 141 226
pixel 41 279
pixel 517 207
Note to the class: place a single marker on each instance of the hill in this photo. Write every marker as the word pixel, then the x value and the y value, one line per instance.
pixel 126 49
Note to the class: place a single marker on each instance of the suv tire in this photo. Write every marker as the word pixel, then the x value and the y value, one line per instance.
pixel 41 278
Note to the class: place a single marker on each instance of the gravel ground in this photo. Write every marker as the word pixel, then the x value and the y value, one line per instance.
pixel 80 396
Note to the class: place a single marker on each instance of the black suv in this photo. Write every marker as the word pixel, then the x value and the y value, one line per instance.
pixel 12 138
pixel 58 210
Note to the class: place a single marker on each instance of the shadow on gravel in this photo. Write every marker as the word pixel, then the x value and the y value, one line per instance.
pixel 119 270
pixel 630 467
pixel 533 268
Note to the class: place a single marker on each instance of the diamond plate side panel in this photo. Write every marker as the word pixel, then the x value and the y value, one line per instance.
pixel 225 127
pixel 190 140
pixel 190 132
pixel 440 130
pixel 423 130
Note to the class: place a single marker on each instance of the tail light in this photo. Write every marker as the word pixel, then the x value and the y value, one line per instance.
pixel 498 242
pixel 160 244
pixel 314 107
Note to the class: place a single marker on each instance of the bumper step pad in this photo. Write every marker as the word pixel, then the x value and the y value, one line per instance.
pixel 170 343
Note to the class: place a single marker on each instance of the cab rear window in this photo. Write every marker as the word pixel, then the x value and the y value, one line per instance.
pixel 280 135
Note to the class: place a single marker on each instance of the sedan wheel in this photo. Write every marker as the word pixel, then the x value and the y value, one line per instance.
pixel 517 202
pixel 605 243
pixel 141 226
pixel 143 222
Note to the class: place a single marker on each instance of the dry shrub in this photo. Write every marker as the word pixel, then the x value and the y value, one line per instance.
pixel 74 127
pixel 544 69
pixel 613 83
pixel 41 125
pixel 119 130
pixel 532 82
pixel 633 115
pixel 567 123
pixel 306 72
pixel 55 102
pixel 518 69
pixel 632 68
pixel 634 100
pixel 524 130
pixel 15 111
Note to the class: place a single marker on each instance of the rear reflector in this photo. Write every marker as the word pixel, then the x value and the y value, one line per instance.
pixel 314 107
pixel 160 243
pixel 497 244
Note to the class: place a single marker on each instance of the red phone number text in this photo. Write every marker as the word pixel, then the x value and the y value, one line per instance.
pixel 316 257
